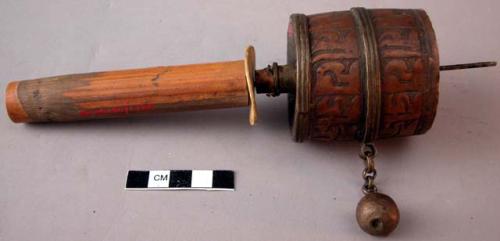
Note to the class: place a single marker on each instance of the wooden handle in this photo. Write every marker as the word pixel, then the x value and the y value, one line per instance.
pixel 128 92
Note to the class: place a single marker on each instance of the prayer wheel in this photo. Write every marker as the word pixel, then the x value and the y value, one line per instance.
pixel 357 75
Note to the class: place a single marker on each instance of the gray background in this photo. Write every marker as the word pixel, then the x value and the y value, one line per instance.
pixel 66 182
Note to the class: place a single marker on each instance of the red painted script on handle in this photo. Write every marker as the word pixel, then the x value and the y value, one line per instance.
pixel 122 110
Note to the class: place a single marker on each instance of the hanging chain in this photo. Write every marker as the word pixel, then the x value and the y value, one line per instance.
pixel 368 152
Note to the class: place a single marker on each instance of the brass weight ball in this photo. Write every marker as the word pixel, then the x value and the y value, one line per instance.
pixel 377 214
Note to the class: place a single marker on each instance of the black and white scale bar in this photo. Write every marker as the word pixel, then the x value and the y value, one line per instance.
pixel 180 179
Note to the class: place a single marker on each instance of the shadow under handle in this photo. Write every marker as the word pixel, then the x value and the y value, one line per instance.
pixel 124 93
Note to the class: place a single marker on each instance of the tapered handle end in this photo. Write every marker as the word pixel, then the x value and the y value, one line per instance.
pixel 13 104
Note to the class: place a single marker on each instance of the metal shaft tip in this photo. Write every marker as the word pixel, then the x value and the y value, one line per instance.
pixel 468 66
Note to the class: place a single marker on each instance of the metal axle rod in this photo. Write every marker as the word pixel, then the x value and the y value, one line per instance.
pixel 468 66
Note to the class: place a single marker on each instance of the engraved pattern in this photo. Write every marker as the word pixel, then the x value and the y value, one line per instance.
pixel 336 100
pixel 409 74
pixel 407 85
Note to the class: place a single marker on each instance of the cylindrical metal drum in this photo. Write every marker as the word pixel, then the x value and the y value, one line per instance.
pixel 362 74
